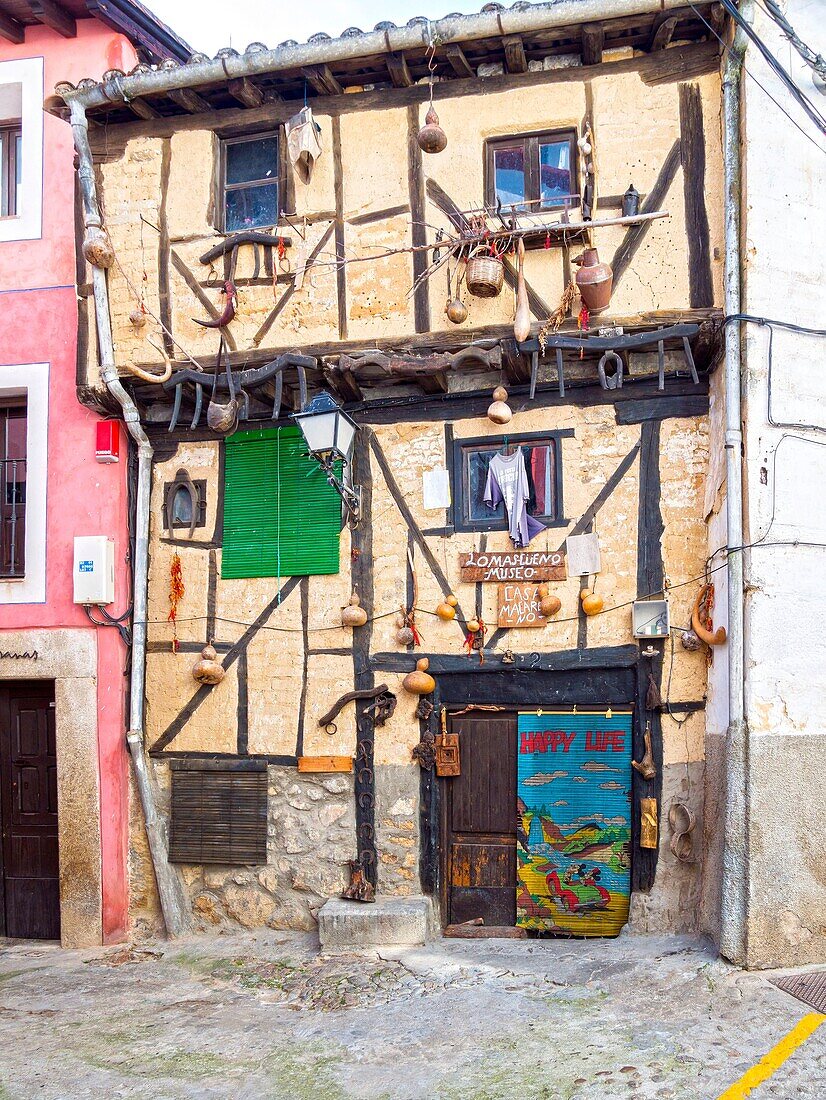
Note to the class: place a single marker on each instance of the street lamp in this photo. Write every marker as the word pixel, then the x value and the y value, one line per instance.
pixel 329 434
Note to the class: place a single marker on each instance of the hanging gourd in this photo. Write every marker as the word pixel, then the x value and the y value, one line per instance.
pixel 475 638
pixel 500 412
pixel 353 614
pixel 701 618
pixel 592 604
pixel 431 138
pixel 548 604
pixel 447 608
pixel 522 317
pixel 208 669
pixel 455 309
pixel 419 682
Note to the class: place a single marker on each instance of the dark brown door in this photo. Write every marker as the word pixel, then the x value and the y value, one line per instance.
pixel 479 822
pixel 28 789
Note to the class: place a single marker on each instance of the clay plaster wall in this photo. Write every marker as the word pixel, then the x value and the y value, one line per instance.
pixel 169 182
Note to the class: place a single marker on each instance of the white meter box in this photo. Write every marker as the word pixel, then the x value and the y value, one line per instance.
pixel 94 569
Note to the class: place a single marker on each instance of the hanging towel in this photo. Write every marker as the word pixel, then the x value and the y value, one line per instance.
pixel 303 143
pixel 508 482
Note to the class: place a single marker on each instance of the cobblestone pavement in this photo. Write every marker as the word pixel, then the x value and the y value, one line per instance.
pixel 262 1016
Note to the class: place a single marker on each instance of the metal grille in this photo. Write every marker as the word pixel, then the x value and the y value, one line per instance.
pixel 12 517
pixel 810 988
pixel 219 816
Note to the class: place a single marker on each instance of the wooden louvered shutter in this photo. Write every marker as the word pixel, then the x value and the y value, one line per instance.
pixel 281 518
pixel 219 815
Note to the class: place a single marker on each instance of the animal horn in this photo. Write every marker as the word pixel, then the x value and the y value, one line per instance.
pixel 147 376
pixel 646 767
pixel 229 308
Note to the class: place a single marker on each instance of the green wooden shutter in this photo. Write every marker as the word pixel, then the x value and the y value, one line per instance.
pixel 281 517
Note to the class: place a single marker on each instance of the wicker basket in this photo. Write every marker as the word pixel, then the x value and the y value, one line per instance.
pixel 484 276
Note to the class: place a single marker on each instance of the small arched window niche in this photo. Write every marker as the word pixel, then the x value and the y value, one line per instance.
pixel 184 504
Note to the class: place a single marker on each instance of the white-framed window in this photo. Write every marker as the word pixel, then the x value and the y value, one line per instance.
pixel 27 384
pixel 21 149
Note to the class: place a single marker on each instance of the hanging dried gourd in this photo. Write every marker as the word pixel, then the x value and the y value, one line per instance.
pixel 500 412
pixel 548 605
pixel 447 608
pixel 353 614
pixel 208 669
pixel 592 604
pixel 431 138
pixel 406 633
pixel 419 682
pixel 522 317
pixel 701 621
pixel 475 638
pixel 176 594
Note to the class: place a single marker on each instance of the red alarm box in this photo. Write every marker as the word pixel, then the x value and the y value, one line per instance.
pixel 107 441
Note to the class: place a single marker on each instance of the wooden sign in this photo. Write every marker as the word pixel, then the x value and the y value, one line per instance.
pixel 513 565
pixel 519 606
pixel 325 763
pixel 447 754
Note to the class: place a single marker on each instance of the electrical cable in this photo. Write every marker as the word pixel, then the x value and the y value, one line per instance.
pixel 750 74
pixel 809 108
pixel 814 60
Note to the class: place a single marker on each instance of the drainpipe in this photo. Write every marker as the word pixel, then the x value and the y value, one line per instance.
pixel 175 909
pixel 735 880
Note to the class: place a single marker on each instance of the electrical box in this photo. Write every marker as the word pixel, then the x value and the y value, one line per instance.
pixel 650 619
pixel 107 440
pixel 94 569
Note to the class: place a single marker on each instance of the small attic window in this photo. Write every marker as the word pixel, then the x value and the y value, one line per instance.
pixel 250 182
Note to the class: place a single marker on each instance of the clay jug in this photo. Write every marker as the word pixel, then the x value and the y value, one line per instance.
pixel 594 281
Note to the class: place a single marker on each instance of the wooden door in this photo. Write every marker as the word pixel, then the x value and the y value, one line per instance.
pixel 28 796
pixel 479 822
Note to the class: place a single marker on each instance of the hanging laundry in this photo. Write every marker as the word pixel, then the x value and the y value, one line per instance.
pixel 508 481
pixel 303 143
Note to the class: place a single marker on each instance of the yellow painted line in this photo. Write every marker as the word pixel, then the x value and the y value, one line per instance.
pixel 775 1058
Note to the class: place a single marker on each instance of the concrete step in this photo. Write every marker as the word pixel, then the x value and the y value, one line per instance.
pixel 345 926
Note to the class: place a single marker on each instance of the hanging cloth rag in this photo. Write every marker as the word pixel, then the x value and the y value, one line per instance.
pixel 303 143
pixel 508 481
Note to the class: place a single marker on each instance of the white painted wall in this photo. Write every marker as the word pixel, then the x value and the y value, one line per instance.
pixel 784 254
pixel 21 91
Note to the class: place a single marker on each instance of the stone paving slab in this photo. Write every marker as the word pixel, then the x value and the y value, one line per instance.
pixel 262 1015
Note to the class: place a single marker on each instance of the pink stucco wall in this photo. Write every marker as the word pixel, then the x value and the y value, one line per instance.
pixel 84 497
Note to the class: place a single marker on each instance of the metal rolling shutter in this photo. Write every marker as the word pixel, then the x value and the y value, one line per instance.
pixel 219 816
pixel 281 518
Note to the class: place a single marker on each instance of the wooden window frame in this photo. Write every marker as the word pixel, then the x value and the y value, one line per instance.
pixel 9 131
pixel 530 143
pixel 280 178
pixel 459 486
pixel 6 404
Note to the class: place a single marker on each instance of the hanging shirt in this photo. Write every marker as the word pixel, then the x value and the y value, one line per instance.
pixel 508 482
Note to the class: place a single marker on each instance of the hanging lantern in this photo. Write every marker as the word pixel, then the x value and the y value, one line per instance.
pixel 500 411
pixel 353 614
pixel 447 608
pixel 419 682
pixel 208 669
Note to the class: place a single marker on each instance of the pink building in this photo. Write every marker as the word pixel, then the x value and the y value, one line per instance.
pixel 64 768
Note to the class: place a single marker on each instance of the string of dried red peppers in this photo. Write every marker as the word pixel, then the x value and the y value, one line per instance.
pixel 176 594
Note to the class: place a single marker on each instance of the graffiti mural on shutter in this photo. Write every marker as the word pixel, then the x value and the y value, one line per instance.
pixel 573 822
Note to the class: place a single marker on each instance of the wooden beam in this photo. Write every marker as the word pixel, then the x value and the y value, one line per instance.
pixel 693 157
pixel 399 70
pixel 11 29
pixel 322 79
pixel 189 100
pixel 592 43
pixel 247 93
pixel 55 17
pixel 142 109
pixel 515 60
pixel 663 32
pixel 458 62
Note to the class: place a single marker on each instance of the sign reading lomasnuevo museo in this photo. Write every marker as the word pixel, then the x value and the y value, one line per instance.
pixel 514 565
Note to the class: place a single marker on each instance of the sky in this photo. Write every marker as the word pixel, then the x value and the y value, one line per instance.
pixel 207 25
